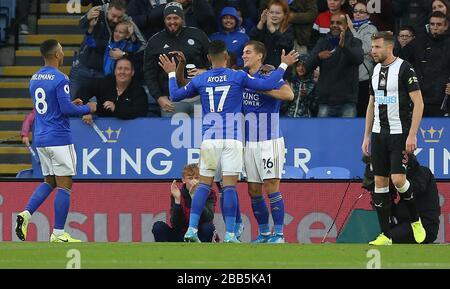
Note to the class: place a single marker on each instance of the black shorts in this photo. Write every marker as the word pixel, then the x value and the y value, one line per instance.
pixel 388 155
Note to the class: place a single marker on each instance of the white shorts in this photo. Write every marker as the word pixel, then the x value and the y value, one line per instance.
pixel 58 160
pixel 264 160
pixel 225 154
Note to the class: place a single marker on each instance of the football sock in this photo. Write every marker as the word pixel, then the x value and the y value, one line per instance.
pixel 261 214
pixel 61 205
pixel 277 209
pixel 198 204
pixel 39 195
pixel 229 207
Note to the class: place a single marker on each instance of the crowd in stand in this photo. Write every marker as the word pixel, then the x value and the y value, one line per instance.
pixel 331 80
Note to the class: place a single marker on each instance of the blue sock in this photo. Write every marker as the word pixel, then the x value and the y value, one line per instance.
pixel 229 207
pixel 39 195
pixel 198 204
pixel 261 214
pixel 221 203
pixel 238 218
pixel 277 207
pixel 61 205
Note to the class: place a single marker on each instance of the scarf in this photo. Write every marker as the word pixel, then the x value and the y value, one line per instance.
pixel 359 23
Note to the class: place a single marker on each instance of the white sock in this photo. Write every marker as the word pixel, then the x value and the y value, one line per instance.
pixel 58 232
pixel 27 213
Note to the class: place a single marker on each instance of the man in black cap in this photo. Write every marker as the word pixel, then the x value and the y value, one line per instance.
pixel 427 202
pixel 175 36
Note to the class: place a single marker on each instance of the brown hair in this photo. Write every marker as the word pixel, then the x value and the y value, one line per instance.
pixel 388 36
pixel 190 170
pixel 446 4
pixel 259 47
pixel 283 4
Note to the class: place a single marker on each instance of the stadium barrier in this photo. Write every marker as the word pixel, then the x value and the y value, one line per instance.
pixel 126 211
pixel 149 148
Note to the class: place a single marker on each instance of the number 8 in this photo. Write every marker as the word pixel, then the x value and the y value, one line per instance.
pixel 40 100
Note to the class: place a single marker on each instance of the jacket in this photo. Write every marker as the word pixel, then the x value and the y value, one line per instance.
pixel 131 104
pixel 179 213
pixel 234 40
pixel 339 74
pixel 193 42
pixel 364 33
pixel 431 59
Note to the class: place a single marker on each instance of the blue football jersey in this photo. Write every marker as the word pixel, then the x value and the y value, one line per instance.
pixel 49 89
pixel 262 113
pixel 221 91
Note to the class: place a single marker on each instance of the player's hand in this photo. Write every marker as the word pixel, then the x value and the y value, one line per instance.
pixel 365 146
pixel 196 71
pixel 290 58
pixel 109 105
pixel 87 119
pixel 77 101
pixel 325 54
pixel 26 141
pixel 168 65
pixel 411 144
pixel 92 106
pixel 166 104
pixel 175 191
pixel 94 12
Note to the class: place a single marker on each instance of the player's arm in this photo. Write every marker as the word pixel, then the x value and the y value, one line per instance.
pixel 66 106
pixel 275 77
pixel 368 125
pixel 283 93
pixel 409 79
pixel 176 93
pixel 411 141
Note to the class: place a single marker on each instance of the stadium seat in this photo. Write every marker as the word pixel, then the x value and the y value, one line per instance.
pixel 328 173
pixel 25 174
pixel 291 172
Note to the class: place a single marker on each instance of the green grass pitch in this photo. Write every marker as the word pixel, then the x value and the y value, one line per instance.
pixel 214 256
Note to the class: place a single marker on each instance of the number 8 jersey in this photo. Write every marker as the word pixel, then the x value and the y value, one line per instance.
pixel 49 89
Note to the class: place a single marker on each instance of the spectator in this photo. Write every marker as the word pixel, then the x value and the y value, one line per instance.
pixel 229 33
pixel 23 11
pixel 362 28
pixel 180 207
pixel 122 43
pixel 175 37
pixel 148 15
pixel 247 11
pixel 88 65
pixel 118 95
pixel 199 14
pixel 302 85
pixel 274 31
pixel 405 35
pixel 441 5
pixel 412 12
pixel 427 201
pixel 301 17
pixel 321 25
pixel 338 55
pixel 429 54
pixel 26 127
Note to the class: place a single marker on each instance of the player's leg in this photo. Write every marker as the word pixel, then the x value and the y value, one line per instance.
pixel 209 159
pixel 273 154
pixel 231 163
pixel 253 164
pixel 272 187
pixel 39 195
pixel 399 161
pixel 381 197
pixel 64 165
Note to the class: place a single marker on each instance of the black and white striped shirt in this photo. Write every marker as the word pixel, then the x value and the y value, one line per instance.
pixel 390 86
